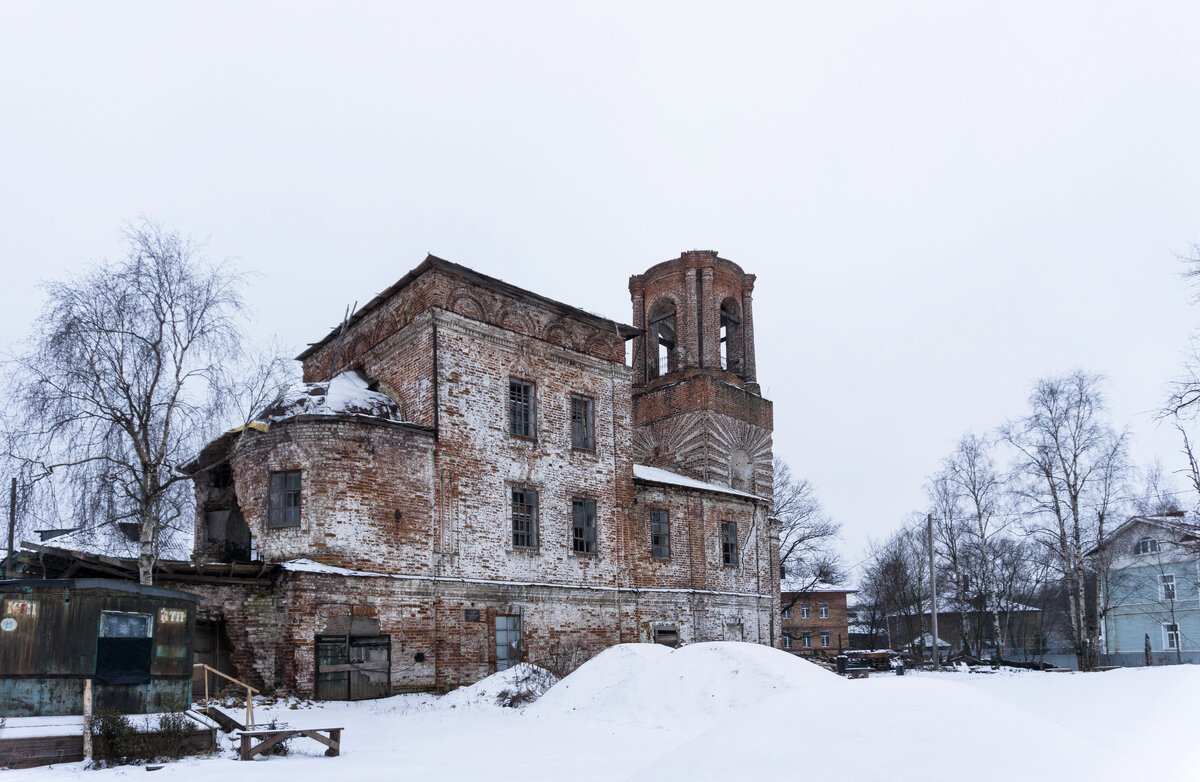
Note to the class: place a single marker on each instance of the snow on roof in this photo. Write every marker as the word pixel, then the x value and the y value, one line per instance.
pixel 643 472
pixel 927 640
pixel 309 566
pixel 802 585
pixel 346 394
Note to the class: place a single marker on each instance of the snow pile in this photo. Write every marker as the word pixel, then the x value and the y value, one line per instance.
pixel 516 686
pixel 696 683
pixel 346 394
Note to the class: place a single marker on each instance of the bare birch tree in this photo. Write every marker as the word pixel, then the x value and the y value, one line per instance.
pixel 129 367
pixel 1071 462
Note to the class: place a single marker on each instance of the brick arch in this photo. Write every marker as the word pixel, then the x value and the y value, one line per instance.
pixel 599 345
pixel 517 321
pixel 468 306
pixel 558 334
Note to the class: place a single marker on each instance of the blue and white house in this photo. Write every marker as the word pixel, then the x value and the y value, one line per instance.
pixel 1150 574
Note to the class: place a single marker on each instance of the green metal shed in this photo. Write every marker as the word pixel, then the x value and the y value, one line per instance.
pixel 134 642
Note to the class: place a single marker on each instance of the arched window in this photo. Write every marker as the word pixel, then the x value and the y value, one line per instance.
pixel 732 346
pixel 1146 545
pixel 661 357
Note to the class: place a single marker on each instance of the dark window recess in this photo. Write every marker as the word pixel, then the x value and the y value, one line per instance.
pixel 522 407
pixel 222 476
pixel 524 518
pixel 583 423
pixel 583 526
pixel 729 543
pixel 667 635
pixel 660 535
pixel 123 649
pixel 284 508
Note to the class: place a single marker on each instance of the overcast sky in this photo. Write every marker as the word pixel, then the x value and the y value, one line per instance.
pixel 942 201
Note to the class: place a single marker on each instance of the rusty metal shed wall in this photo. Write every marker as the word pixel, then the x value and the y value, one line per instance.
pixel 48 650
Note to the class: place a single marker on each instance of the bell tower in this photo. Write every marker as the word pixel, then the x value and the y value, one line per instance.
pixel 697 407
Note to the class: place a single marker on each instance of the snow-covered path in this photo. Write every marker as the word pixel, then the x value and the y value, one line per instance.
pixel 739 711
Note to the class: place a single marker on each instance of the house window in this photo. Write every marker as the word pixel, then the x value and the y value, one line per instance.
pixel 787 613
pixel 524 518
pixel 583 423
pixel 508 641
pixel 118 624
pixel 1146 546
pixel 284 507
pixel 1170 636
pixel 824 607
pixel 804 610
pixel 1168 586
pixel 660 535
pixel 806 639
pixel 787 641
pixel 583 526
pixel 522 407
pixel 824 639
pixel 729 552
pixel 667 635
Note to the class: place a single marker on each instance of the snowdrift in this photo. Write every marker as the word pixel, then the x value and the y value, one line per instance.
pixel 657 686
pixel 521 684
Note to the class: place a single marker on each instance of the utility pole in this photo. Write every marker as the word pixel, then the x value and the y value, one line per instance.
pixel 933 610
pixel 12 528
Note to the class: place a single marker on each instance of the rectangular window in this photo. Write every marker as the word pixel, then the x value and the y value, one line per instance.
pixel 806 639
pixel 787 641
pixel 583 423
pixel 660 535
pixel 824 610
pixel 1168 586
pixel 508 641
pixel 522 407
pixel 1170 636
pixel 787 613
pixel 804 610
pixel 524 518
pixel 729 543
pixel 825 639
pixel 284 507
pixel 117 624
pixel 583 526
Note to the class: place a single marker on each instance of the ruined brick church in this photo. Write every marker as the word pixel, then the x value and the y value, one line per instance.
pixel 473 474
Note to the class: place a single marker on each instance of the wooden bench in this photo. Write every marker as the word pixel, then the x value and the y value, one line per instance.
pixel 330 737
pixel 858 671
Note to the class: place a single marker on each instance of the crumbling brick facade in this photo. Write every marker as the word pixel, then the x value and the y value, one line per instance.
pixel 406 523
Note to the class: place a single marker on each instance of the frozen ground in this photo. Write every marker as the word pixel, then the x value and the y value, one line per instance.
pixel 739 711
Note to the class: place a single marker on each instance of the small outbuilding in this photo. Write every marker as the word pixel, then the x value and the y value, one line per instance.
pixel 133 642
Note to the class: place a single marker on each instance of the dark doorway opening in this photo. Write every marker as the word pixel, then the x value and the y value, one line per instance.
pixel 353 667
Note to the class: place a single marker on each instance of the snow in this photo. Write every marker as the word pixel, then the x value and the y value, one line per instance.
pixel 731 711
pixel 659 475
pixel 346 394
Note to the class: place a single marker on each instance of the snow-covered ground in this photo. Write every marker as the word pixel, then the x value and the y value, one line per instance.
pixel 740 711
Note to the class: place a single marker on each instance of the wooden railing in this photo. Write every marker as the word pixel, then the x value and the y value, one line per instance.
pixel 250 691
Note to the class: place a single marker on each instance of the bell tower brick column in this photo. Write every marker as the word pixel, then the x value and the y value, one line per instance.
pixel 688 322
pixel 748 329
pixel 637 293
pixel 710 319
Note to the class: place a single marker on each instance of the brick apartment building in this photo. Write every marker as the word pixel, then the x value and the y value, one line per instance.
pixel 814 621
pixel 473 475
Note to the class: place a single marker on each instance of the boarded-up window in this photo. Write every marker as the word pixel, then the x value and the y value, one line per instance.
pixel 284 508
pixel 583 526
pixel 667 635
pixel 660 534
pixel 524 518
